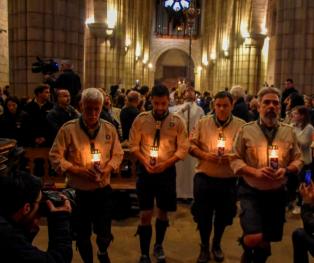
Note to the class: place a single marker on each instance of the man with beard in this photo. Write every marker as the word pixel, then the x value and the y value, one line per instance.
pixel 264 152
pixel 214 181
pixel 158 139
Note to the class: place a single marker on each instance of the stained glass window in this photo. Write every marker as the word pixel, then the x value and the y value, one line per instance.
pixel 177 5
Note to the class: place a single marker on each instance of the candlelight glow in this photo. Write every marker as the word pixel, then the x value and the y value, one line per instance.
pixel 96 156
pixel 154 152
pixel 221 143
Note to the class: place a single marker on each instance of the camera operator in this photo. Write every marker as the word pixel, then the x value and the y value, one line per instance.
pixel 303 238
pixel 20 197
pixel 69 80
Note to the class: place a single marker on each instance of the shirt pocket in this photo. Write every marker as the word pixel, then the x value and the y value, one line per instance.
pixel 285 151
pixel 252 155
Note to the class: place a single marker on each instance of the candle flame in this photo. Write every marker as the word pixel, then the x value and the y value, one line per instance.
pixel 154 152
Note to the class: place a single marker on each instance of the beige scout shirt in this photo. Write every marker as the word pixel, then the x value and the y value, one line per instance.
pixel 72 147
pixel 250 148
pixel 205 135
pixel 173 136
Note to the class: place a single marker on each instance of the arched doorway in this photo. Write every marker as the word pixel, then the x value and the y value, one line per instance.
pixel 173 66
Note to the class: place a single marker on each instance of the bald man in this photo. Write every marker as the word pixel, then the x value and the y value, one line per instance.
pixel 61 112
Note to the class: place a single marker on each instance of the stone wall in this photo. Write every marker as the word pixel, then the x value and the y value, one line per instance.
pixel 4 44
pixel 44 28
pixel 292 38
pixel 123 56
pixel 232 41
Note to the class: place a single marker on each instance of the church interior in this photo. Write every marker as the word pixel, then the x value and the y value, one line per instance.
pixel 209 44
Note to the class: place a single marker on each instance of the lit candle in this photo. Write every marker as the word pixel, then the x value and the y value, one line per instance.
pixel 153 155
pixel 221 143
pixel 96 157
pixel 273 157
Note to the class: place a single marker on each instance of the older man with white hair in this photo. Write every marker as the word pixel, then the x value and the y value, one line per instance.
pixel 87 150
pixel 240 108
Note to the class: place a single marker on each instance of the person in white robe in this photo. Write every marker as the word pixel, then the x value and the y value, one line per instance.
pixel 191 113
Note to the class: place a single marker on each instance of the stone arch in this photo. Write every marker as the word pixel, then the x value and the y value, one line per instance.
pixel 160 46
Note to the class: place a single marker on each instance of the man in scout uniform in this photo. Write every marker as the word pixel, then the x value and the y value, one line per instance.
pixel 87 150
pixel 264 152
pixel 158 139
pixel 214 182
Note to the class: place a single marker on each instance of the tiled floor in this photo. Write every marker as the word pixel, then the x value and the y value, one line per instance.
pixel 182 241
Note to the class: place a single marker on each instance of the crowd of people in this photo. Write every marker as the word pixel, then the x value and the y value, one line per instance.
pixel 214 151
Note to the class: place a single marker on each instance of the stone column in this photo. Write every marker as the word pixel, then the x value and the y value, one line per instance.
pixel 293 33
pixel 44 28
pixel 4 43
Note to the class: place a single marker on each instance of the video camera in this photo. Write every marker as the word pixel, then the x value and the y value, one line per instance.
pixel 56 199
pixel 45 66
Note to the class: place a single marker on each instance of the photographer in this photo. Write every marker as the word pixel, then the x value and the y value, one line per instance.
pixel 303 238
pixel 20 197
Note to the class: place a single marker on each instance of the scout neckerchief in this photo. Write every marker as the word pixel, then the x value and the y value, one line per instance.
pixel 90 134
pixel 224 124
pixel 158 120
pixel 269 134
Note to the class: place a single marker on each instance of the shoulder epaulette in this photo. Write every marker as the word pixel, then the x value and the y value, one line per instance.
pixel 104 122
pixel 70 122
pixel 144 113
pixel 286 125
pixel 248 124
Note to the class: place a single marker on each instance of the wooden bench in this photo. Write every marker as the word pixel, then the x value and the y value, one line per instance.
pixel 118 182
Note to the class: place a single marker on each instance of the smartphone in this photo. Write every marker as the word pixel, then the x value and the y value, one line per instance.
pixel 308 177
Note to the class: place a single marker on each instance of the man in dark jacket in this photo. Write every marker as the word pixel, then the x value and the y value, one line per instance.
pixel 303 238
pixel 20 195
pixel 129 113
pixel 289 89
pixel 69 80
pixel 61 112
pixel 37 110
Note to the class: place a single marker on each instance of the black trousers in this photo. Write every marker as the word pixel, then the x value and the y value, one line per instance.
pixel 94 213
pixel 302 244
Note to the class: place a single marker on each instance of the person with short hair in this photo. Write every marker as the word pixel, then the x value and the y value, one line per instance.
pixel 264 153
pixel 129 113
pixel 214 181
pixel 20 196
pixel 37 110
pixel 87 150
pixel 289 89
pixel 62 111
pixel 69 80
pixel 240 108
pixel 158 139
